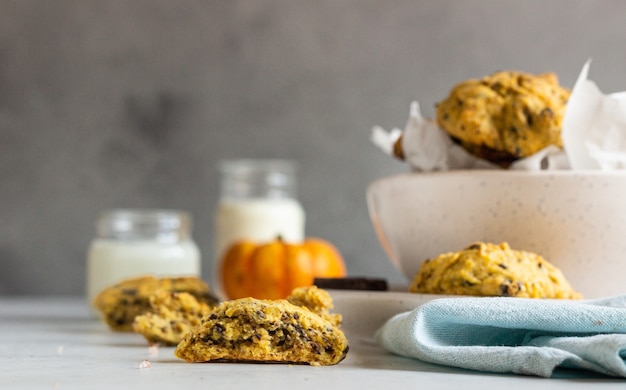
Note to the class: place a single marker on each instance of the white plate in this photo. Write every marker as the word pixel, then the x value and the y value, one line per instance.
pixel 365 311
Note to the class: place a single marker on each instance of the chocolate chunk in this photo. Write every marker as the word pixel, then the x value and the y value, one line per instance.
pixel 355 283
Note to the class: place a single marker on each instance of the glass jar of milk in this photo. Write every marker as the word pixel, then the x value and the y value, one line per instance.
pixel 258 202
pixel 131 243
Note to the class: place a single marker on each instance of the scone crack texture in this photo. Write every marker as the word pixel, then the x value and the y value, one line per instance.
pixel 270 331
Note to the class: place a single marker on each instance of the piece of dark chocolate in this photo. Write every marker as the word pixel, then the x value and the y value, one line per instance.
pixel 351 283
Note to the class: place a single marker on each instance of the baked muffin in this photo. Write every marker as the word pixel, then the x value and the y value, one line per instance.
pixel 119 304
pixel 485 269
pixel 254 330
pixel 505 116
pixel 171 315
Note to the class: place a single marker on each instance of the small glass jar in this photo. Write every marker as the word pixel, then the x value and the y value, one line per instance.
pixel 258 202
pixel 131 243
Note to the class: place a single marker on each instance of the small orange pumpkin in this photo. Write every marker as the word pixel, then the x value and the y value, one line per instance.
pixel 273 269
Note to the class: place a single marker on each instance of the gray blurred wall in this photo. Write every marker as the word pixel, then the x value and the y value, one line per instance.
pixel 131 104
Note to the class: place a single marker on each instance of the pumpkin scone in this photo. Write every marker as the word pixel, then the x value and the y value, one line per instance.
pixel 255 330
pixel 171 315
pixel 317 300
pixel 505 116
pixel 486 269
pixel 119 304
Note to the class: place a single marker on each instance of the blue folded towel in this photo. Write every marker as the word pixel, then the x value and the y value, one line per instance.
pixel 523 336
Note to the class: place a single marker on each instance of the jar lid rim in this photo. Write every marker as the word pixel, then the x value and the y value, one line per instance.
pixel 145 212
pixel 245 165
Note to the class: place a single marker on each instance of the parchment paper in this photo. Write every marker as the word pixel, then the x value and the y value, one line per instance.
pixel 593 133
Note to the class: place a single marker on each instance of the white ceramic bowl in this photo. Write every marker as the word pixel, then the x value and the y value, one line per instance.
pixel 575 220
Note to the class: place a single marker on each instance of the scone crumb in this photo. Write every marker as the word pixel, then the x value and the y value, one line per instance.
pixel 153 349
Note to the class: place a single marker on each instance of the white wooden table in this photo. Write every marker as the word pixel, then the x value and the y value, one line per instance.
pixel 55 343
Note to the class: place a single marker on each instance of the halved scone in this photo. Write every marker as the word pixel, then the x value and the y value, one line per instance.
pixel 254 330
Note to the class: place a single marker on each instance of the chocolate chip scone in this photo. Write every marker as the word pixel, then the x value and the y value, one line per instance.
pixel 505 116
pixel 492 270
pixel 254 330
pixel 119 304
pixel 171 315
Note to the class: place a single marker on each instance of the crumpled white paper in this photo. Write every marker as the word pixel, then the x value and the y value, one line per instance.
pixel 426 147
pixel 593 133
pixel 594 127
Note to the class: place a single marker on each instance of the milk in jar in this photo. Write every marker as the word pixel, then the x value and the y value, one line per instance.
pixel 137 242
pixel 258 202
